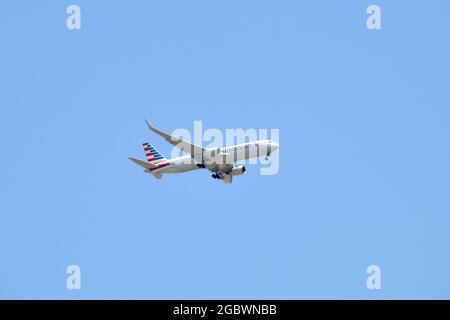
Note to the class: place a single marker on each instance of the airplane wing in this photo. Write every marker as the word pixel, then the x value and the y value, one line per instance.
pixel 195 151
pixel 219 168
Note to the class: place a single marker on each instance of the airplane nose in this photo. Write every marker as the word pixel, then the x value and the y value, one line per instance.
pixel 274 146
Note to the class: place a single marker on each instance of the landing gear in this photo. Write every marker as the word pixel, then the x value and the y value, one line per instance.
pixel 201 165
pixel 267 156
pixel 215 176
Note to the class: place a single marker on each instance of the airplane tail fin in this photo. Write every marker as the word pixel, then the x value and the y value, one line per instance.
pixel 154 162
pixel 153 155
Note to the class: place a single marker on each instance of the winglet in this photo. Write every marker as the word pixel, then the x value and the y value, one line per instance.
pixel 149 125
pixel 157 131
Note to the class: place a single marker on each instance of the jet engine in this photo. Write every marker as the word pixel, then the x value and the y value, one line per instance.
pixel 238 170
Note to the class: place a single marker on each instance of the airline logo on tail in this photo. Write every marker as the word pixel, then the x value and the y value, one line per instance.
pixel 153 156
pixel 155 159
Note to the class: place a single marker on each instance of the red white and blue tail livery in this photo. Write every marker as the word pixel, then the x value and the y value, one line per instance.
pixel 153 156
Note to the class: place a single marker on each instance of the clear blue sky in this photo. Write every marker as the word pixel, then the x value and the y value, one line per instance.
pixel 364 149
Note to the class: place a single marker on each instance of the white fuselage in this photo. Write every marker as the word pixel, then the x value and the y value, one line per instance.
pixel 220 156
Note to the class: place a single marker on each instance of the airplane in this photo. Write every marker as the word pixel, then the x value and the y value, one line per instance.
pixel 220 161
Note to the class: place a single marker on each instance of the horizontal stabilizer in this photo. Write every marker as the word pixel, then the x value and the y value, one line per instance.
pixel 144 164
